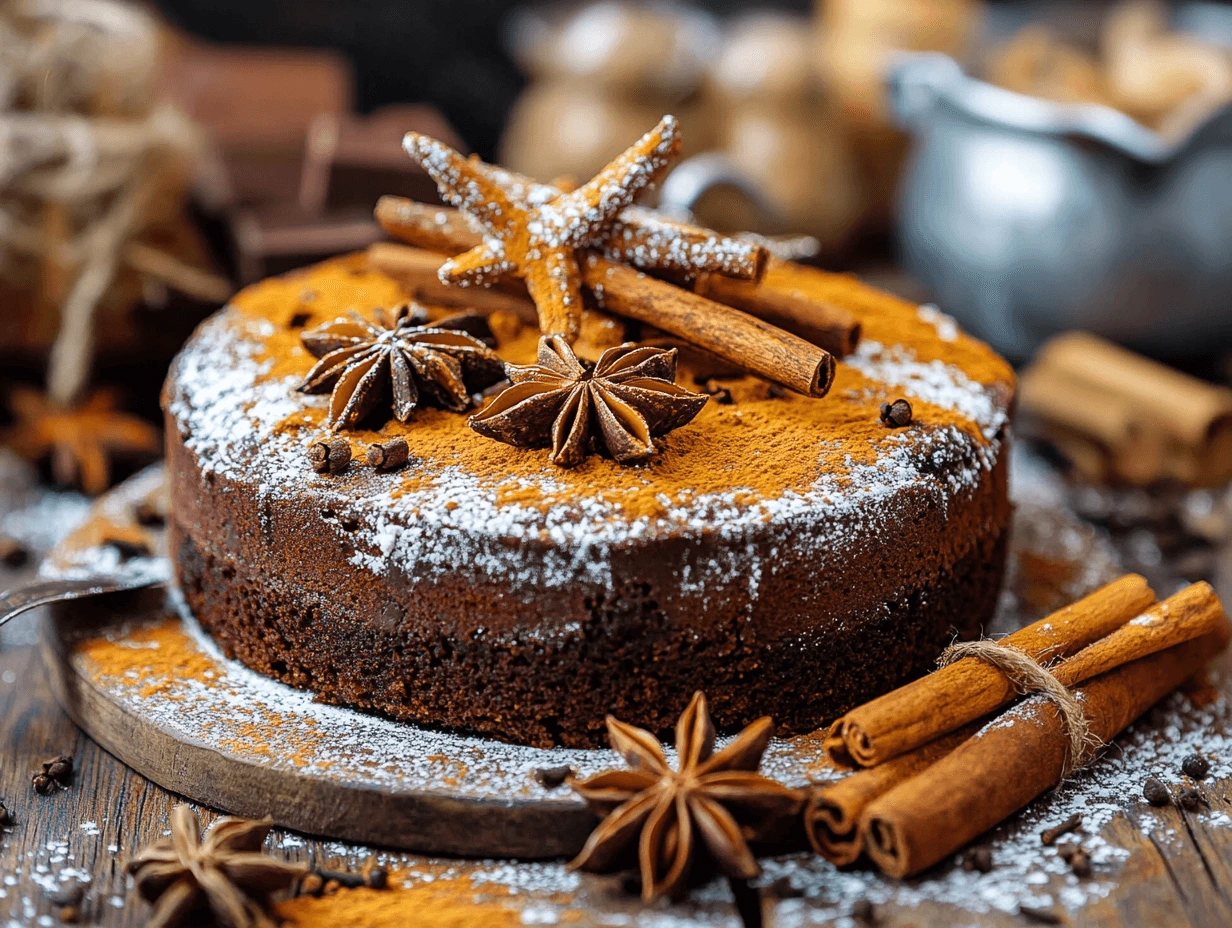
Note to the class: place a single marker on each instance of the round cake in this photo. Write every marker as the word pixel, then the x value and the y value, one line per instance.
pixel 790 556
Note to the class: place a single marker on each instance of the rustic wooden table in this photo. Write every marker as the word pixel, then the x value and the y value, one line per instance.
pixel 1174 869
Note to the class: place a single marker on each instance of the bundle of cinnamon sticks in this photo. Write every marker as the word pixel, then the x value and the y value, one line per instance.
pixel 783 337
pixel 940 766
pixel 1122 418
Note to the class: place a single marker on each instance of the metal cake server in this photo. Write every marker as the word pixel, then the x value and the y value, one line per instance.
pixel 42 592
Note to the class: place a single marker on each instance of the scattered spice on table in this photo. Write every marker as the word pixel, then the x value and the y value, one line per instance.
pixel 1078 859
pixel 52 774
pixel 1154 791
pixel 223 869
pixel 1189 799
pixel 1073 823
pixel 1196 766
pixel 552 777
pixel 978 859
pixel 445 901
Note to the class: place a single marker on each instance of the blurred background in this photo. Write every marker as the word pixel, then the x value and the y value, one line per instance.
pixel 1055 175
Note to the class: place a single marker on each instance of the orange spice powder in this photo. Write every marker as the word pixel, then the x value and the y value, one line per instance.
pixel 444 902
pixel 762 445
pixel 157 659
pixel 152 659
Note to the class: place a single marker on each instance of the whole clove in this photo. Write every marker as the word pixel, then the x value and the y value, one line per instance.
pixel 1078 859
pixel 389 455
pixel 1080 863
pixel 897 414
pixel 1196 766
pixel 1156 793
pixel 1189 799
pixel 330 457
pixel 978 859
pixel 53 773
pixel 59 768
pixel 1050 835
pixel 552 777
pixel 322 882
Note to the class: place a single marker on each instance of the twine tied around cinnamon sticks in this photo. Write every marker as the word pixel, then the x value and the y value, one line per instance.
pixel 1030 676
pixel 941 762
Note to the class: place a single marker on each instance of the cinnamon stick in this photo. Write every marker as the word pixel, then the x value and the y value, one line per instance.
pixel 967 689
pixel 824 324
pixel 437 228
pixel 1140 421
pixel 1014 759
pixel 832 816
pixel 725 332
pixel 830 327
pixel 1193 612
pixel 417 270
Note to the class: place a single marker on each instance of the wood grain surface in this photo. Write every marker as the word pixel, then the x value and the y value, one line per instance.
pixel 109 812
pixel 1177 870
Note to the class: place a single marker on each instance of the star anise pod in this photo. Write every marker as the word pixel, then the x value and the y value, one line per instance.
pixel 619 405
pixel 80 440
pixel 717 801
pixel 397 357
pixel 226 871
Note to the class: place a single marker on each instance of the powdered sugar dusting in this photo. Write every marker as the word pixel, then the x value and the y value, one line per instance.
pixel 228 410
pixel 324 741
pixel 935 381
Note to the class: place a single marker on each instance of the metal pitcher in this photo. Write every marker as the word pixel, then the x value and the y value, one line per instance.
pixel 1025 217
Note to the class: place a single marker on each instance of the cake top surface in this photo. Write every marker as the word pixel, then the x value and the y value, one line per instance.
pixel 767 456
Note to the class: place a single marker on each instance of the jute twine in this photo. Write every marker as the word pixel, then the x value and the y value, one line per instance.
pixel 1029 676
pixel 83 138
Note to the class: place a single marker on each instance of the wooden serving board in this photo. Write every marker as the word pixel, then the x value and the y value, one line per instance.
pixel 137 674
pixel 147 685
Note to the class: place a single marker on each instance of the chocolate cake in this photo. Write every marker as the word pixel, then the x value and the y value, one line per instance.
pixel 790 556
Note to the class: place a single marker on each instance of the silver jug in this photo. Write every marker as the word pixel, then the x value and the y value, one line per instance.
pixel 1025 217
